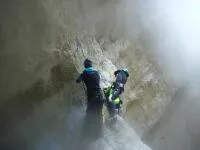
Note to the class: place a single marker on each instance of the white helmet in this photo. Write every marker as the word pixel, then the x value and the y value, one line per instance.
pixel 126 71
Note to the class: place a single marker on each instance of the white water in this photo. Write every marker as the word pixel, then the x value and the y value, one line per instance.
pixel 119 136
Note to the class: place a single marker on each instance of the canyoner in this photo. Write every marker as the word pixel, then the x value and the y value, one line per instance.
pixel 91 79
pixel 112 93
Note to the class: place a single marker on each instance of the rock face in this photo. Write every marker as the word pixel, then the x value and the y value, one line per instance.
pixel 178 127
pixel 43 45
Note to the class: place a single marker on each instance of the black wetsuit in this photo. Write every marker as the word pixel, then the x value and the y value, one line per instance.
pixel 121 79
pixel 91 78
pixel 118 88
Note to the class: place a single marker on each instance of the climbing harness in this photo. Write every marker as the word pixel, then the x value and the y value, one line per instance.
pixel 116 102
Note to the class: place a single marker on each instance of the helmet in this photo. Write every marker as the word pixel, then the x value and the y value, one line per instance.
pixel 87 63
pixel 126 71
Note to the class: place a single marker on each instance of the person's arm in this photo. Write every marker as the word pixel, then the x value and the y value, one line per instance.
pixel 119 78
pixel 80 78
pixel 116 72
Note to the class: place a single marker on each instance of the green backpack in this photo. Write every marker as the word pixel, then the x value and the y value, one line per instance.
pixel 108 92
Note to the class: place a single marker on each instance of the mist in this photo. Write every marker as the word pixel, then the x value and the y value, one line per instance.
pixel 175 33
pixel 174 27
pixel 39 57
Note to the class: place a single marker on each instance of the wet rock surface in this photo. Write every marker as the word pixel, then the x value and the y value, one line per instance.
pixel 43 45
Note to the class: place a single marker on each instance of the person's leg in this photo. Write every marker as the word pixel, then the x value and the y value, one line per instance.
pixel 95 120
pixel 87 121
pixel 99 107
pixel 99 119
pixel 111 109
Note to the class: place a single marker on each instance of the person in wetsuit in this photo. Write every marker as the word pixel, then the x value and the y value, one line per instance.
pixel 118 88
pixel 91 78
